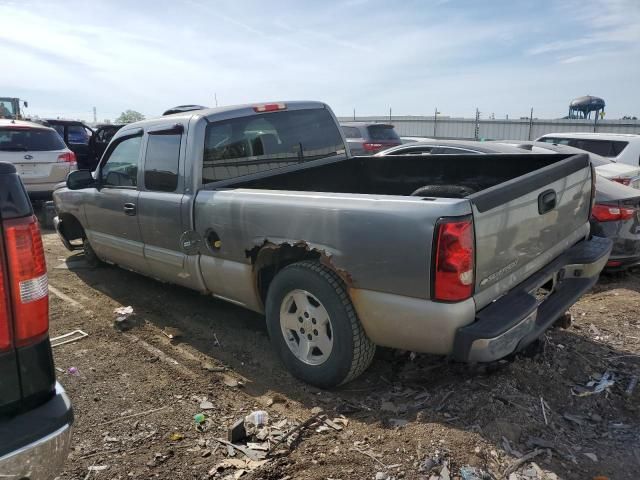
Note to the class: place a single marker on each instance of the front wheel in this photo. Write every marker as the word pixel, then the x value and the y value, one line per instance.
pixel 314 327
pixel 90 255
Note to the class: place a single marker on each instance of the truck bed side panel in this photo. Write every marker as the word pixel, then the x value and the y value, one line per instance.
pixel 380 243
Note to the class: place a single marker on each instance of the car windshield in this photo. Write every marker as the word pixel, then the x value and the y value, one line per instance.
pixel 382 132
pixel 16 139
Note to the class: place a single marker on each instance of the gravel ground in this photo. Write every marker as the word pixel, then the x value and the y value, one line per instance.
pixel 136 392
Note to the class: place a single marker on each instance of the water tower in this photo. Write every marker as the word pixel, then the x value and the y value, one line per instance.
pixel 582 107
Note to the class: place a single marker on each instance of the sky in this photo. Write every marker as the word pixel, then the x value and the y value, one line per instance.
pixel 502 57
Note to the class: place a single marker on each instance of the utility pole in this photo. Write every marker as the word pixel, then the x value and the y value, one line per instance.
pixel 354 114
pixel 389 114
pixel 215 98
pixel 435 121
pixel 95 116
pixel 477 129
pixel 530 123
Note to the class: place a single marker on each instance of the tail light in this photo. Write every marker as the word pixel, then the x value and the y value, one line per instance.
pixel 372 147
pixel 454 260
pixel 622 180
pixel 611 213
pixel 28 284
pixel 269 107
pixel 5 313
pixel 68 157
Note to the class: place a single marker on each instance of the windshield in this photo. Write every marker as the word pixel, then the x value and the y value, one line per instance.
pixel 6 110
pixel 382 132
pixel 265 141
pixel 18 139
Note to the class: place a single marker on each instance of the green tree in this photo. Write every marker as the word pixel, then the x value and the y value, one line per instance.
pixel 129 116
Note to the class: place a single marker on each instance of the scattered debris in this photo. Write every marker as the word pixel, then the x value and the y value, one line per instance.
pixel 176 437
pixel 98 468
pixel 522 460
pixel 382 476
pixel 206 405
pixel 250 454
pixel 397 422
pixel 633 381
pixel 606 380
pixel 126 417
pixel 237 432
pixel 257 418
pixel 172 333
pixel 199 418
pixel 473 473
pixel 68 338
pixel 544 413
pixel 73 371
pixel 310 421
pixel 123 314
pixel 230 381
pixel 211 367
pixel 591 456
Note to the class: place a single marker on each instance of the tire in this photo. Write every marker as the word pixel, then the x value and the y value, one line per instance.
pixel 90 255
pixel 443 191
pixel 351 352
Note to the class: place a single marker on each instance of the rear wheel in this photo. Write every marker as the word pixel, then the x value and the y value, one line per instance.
pixel 314 327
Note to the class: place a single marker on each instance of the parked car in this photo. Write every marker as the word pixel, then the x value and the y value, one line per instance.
pixel 366 138
pixel 76 136
pixel 98 142
pixel 620 147
pixel 618 172
pixel 415 139
pixel 39 155
pixel 616 214
pixel 262 206
pixel 35 413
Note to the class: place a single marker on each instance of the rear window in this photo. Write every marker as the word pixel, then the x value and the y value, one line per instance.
pixel 265 141
pixel 78 135
pixel 382 132
pixel 605 148
pixel 351 132
pixel 30 139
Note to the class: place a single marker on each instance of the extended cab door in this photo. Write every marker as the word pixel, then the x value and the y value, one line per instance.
pixel 160 213
pixel 112 208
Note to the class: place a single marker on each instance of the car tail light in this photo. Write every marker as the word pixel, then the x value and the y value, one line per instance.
pixel 611 213
pixel 454 260
pixel 372 147
pixel 27 278
pixel 270 107
pixel 68 157
pixel 622 180
pixel 5 313
pixel 614 263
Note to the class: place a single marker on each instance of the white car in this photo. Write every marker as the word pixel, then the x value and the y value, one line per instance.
pixel 618 147
pixel 39 155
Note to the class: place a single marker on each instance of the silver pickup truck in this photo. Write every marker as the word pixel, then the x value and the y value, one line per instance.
pixel 261 205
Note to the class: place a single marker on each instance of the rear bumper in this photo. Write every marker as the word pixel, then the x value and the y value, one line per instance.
pixel 35 444
pixel 518 318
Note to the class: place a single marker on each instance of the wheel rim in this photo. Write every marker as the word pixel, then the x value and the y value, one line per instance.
pixel 306 327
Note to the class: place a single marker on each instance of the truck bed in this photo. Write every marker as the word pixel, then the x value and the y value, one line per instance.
pixel 515 233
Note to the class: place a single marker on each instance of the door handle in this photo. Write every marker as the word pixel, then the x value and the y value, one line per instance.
pixel 546 201
pixel 129 208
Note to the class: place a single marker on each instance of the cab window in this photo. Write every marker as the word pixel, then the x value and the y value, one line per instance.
pixel 121 168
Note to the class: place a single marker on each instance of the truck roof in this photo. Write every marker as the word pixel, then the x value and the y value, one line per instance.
pixel 221 113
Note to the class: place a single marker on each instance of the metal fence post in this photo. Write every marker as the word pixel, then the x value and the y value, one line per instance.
pixel 530 124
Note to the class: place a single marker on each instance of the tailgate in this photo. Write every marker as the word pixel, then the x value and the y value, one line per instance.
pixel 524 223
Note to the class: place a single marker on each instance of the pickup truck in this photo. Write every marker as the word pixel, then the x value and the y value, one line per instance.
pixel 35 413
pixel 263 206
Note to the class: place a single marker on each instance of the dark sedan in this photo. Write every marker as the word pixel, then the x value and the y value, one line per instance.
pixel 616 213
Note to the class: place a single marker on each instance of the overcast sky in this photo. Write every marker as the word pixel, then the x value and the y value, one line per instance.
pixel 503 57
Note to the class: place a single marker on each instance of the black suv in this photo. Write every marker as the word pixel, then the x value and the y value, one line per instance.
pixel 100 139
pixel 35 413
pixel 77 136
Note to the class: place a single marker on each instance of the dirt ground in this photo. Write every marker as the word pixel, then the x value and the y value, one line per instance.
pixel 406 414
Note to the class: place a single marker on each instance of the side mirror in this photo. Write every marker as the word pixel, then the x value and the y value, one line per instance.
pixel 80 179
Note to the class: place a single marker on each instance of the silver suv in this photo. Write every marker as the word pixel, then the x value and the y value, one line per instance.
pixel 366 138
